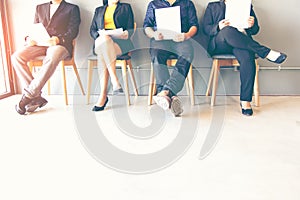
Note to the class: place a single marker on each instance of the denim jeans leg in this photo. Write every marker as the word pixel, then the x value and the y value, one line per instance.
pixel 159 55
pixel 185 53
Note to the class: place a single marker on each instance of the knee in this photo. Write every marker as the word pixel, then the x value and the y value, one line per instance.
pixel 158 54
pixel 103 42
pixel 187 55
pixel 227 30
pixel 16 57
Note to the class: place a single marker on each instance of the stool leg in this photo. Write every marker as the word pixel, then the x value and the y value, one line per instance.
pixel 132 77
pixel 78 78
pixel 48 86
pixel 215 82
pixel 191 86
pixel 256 86
pixel 210 80
pixel 90 77
pixel 151 85
pixel 125 79
pixel 62 65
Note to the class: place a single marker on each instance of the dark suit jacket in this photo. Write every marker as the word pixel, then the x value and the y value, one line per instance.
pixel 123 18
pixel 214 13
pixel 64 23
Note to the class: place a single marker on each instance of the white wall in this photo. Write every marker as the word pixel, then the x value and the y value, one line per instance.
pixel 280 30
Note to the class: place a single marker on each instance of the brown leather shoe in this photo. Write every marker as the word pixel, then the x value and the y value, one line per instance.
pixel 20 107
pixel 36 103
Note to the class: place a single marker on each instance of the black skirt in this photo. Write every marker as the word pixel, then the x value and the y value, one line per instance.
pixel 125 45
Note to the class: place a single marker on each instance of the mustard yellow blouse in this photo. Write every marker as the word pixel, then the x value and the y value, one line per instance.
pixel 109 17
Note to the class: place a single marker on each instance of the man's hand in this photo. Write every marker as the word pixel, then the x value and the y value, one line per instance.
pixel 53 41
pixel 223 23
pixel 250 21
pixel 179 37
pixel 158 36
pixel 30 42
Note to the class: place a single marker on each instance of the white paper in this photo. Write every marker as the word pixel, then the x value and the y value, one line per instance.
pixel 39 34
pixel 168 21
pixel 113 33
pixel 238 12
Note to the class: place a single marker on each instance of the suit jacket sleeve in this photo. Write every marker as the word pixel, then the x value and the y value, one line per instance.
pixel 97 22
pixel 210 24
pixel 72 29
pixel 255 28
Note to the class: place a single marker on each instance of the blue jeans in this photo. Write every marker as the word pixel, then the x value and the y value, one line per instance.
pixel 160 51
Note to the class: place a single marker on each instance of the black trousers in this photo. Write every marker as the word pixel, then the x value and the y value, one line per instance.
pixel 229 40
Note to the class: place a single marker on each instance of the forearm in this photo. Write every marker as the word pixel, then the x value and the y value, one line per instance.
pixel 192 31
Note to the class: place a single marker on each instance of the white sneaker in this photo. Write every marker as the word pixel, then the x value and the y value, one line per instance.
pixel 162 101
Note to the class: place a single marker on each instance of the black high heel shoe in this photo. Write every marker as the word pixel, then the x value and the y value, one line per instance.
pixel 97 108
pixel 281 58
pixel 247 112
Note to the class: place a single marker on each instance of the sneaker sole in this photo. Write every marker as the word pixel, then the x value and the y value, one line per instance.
pixel 176 106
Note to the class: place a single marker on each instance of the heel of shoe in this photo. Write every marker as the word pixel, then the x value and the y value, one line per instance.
pixel 100 108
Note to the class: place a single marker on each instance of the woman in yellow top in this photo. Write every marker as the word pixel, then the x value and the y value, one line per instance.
pixel 112 15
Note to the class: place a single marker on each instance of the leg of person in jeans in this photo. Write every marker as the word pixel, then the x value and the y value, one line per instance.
pixel 160 52
pixel 32 86
pixel 175 82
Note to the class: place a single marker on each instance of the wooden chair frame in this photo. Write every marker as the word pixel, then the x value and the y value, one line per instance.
pixel 223 61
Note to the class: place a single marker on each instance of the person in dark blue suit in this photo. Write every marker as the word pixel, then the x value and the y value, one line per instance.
pixel 226 39
pixel 112 15
pixel 61 20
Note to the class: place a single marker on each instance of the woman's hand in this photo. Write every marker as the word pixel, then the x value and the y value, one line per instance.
pixel 223 23
pixel 124 35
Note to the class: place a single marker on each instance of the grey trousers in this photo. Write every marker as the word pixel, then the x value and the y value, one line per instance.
pixel 32 86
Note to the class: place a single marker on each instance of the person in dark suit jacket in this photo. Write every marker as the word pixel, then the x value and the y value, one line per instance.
pixel 61 20
pixel 112 15
pixel 226 39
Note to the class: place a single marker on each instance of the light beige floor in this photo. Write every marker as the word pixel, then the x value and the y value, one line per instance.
pixel 254 158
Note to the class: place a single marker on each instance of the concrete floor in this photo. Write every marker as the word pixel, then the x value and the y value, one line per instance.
pixel 142 153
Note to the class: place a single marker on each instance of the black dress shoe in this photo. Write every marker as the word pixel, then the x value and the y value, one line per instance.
pixel 247 111
pixel 36 102
pixel 280 59
pixel 118 91
pixel 97 108
pixel 20 107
